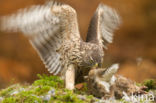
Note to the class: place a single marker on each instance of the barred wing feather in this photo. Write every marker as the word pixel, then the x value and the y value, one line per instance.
pixel 43 28
pixel 103 23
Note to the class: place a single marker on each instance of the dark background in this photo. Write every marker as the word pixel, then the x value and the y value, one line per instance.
pixel 134 45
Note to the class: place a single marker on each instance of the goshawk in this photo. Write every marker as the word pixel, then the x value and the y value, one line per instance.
pixel 53 31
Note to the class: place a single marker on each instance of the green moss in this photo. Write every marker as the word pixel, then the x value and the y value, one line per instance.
pixel 9 90
pixel 53 81
pixel 28 98
pixel 35 93
pixel 23 97
pixel 90 97
pixel 150 84
pixel 139 84
pixel 123 101
pixel 41 90
pixel 66 97
pixel 9 100
pixel 6 92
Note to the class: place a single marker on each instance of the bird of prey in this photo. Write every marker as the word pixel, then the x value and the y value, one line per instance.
pixel 53 31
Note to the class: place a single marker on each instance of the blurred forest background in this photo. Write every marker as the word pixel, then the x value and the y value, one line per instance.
pixel 134 45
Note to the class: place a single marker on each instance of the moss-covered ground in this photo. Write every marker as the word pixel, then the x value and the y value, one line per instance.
pixel 50 89
pixel 47 89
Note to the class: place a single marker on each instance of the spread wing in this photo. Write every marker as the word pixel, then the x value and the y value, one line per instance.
pixel 46 26
pixel 103 23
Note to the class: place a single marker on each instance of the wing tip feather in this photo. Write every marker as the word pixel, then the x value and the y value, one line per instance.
pixel 54 3
pixel 109 21
pixel 107 10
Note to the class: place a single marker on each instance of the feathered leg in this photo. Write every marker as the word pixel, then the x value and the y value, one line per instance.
pixel 70 77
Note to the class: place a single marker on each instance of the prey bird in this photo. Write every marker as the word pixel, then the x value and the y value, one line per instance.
pixel 52 29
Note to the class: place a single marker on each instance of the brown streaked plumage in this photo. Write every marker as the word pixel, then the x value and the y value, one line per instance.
pixel 53 31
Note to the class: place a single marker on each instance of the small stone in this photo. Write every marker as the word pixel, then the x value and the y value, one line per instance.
pixel 36 101
pixel 126 97
pixel 42 97
pixel 47 97
pixel 14 93
pixel 81 97
pixel 52 92
pixel 1 99
pixel 21 89
pixel 101 101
